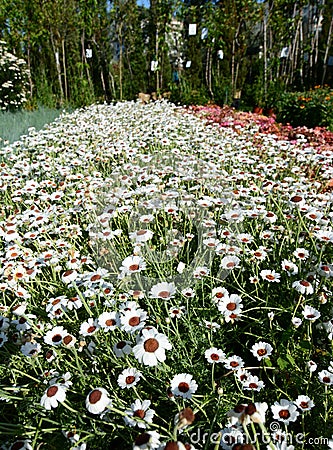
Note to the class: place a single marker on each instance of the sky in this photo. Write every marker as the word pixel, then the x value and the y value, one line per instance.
pixel 145 3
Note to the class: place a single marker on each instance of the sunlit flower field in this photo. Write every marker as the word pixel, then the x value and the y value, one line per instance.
pixel 166 284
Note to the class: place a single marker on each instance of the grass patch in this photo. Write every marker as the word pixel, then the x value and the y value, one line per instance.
pixel 15 124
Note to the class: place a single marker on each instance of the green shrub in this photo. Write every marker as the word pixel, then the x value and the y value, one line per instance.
pixel 312 108
pixel 13 80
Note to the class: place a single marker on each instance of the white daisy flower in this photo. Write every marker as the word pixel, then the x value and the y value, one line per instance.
pixel 310 313
pixel 89 327
pixel 141 235
pixel 122 348
pixel 182 385
pixel 270 275
pixel 140 414
pixel 219 294
pixel 304 403
pixel 233 362
pixel 150 349
pixel 285 411
pixel 326 377
pixel 301 253
pixel 31 349
pixel 129 378
pixel 53 395
pixel 289 267
pixel 149 440
pixel 261 350
pixel 312 366
pixel 133 264
pixel 98 400
pixel 109 321
pixel 230 262
pixel 214 355
pixel 54 337
pixel 163 290
pixel 303 286
pixel 133 320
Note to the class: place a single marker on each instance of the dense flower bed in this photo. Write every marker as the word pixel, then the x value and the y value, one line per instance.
pixel 319 137
pixel 166 284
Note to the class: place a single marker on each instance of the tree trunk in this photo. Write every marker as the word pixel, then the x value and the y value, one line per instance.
pixel 120 38
pixel 64 68
pixel 328 44
pixel 29 67
pixel 56 56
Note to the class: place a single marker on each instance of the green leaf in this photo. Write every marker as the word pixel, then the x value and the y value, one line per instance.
pixel 305 345
pixel 282 363
pixel 291 360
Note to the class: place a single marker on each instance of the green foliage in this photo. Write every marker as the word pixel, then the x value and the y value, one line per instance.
pixel 312 108
pixel 184 94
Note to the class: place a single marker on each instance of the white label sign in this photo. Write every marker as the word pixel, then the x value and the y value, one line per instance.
pixel 192 29
pixel 153 66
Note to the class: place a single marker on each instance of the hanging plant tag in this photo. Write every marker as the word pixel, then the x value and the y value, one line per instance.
pixel 204 33
pixel 188 64
pixel 220 54
pixel 153 66
pixel 88 53
pixel 284 52
pixel 192 29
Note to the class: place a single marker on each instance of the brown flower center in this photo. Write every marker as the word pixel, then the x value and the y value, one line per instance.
pixel 231 306
pixel 67 339
pixel 95 277
pixel 139 413
pixel 262 351
pixel 95 396
pixel 51 392
pixel 91 329
pixel 121 345
pixel 163 294
pixel 142 439
pixel 171 445
pixel 134 321
pixel 183 387
pixel 17 445
pixel 151 345
pixel 296 199
pixel 284 414
pixel 214 357
pixel 134 267
pixel 110 322
pixel 250 409
pixel 68 273
pixel 187 415
pixel 270 277
pixel 130 379
pixel 57 338
pixel 141 232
